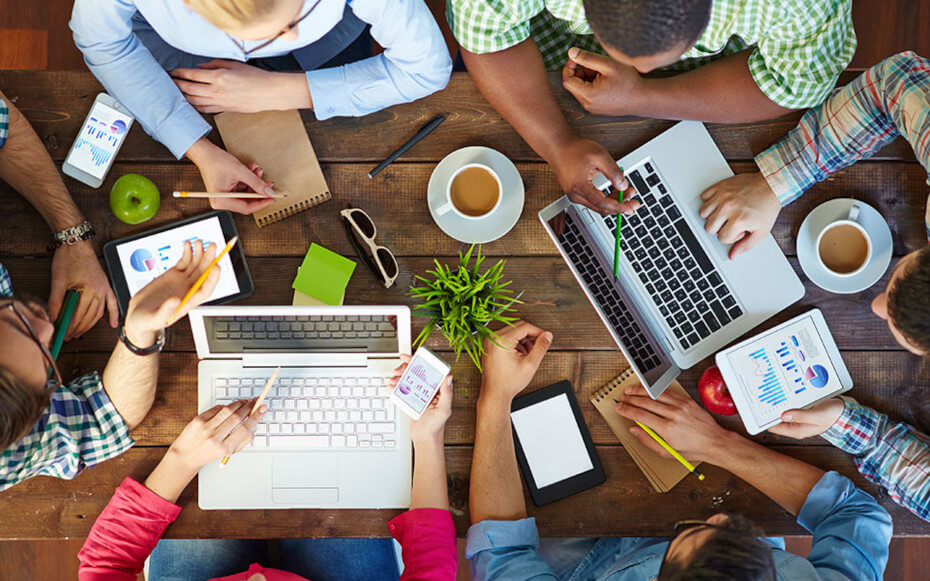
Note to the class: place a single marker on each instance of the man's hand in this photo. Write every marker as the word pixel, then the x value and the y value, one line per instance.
pixel 578 162
pixel 432 423
pixel 222 172
pixel 680 421
pixel 150 309
pixel 216 433
pixel 223 85
pixel 800 424
pixel 510 366
pixel 76 267
pixel 740 210
pixel 600 84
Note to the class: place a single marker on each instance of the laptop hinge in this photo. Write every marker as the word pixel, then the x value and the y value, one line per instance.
pixel 305 360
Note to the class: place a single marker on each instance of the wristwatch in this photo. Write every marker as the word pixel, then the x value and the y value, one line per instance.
pixel 73 235
pixel 157 347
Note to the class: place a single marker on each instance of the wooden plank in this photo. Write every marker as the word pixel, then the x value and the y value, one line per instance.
pixel 56 103
pixel 397 204
pixel 63 54
pixel 885 28
pixel 887 381
pixel 23 49
pixel 45 507
pixel 553 300
pixel 46 559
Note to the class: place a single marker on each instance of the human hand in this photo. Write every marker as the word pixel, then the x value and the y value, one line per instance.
pixel 150 309
pixel 432 423
pixel 682 423
pixel 800 424
pixel 76 267
pixel 216 433
pixel 225 85
pixel 600 84
pixel 509 367
pixel 222 172
pixel 741 210
pixel 577 162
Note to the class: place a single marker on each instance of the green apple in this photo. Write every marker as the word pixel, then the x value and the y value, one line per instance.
pixel 134 199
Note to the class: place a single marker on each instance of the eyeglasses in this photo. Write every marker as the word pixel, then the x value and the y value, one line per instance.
pixel 283 31
pixel 52 368
pixel 692 525
pixel 379 260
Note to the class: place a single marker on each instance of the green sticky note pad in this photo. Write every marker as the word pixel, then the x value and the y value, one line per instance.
pixel 324 275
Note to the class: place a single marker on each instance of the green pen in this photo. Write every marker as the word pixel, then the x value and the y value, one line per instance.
pixel 64 319
pixel 619 218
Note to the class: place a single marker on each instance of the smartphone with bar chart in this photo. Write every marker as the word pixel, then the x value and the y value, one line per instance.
pixel 419 383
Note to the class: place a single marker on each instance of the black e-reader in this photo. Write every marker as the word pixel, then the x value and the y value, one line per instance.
pixel 137 260
pixel 553 445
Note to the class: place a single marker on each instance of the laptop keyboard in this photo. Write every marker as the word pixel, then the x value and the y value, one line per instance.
pixel 665 255
pixel 373 333
pixel 306 413
pixel 603 286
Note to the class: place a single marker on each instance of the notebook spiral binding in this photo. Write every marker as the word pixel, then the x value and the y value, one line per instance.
pixel 610 386
pixel 300 206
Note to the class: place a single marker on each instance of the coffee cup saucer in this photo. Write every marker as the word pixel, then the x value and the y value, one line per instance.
pixel 495 224
pixel 832 211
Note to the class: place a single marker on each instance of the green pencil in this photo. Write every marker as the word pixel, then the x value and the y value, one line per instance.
pixel 64 319
pixel 619 218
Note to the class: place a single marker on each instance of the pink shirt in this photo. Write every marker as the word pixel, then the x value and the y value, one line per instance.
pixel 134 520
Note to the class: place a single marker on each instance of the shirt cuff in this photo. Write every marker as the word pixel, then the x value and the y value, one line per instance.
pixel 436 520
pixel 830 491
pixel 784 169
pixel 137 495
pixel 328 93
pixel 179 131
pixel 499 534
pixel 849 432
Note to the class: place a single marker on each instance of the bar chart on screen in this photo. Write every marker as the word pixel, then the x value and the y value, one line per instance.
pixel 770 390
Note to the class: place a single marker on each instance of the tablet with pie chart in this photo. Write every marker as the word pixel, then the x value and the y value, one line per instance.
pixel 794 365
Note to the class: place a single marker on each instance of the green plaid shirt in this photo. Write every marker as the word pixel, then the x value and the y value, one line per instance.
pixel 79 428
pixel 801 46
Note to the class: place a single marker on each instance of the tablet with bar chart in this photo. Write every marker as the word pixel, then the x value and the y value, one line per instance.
pixel 794 365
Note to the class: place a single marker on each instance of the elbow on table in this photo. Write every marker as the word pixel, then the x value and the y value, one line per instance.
pixel 434 79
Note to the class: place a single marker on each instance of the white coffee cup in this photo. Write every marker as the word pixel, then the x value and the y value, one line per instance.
pixel 448 206
pixel 850 220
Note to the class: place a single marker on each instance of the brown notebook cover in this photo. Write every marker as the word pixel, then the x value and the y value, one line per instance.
pixel 278 142
pixel 663 473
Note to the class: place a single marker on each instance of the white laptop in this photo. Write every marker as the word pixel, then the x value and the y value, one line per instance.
pixel 679 298
pixel 331 437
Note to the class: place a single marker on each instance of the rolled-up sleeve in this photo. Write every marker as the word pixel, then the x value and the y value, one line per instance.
pixel 129 72
pixel 499 549
pixel 427 539
pixel 415 62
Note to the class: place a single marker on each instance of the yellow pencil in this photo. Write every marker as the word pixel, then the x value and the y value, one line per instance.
pixel 183 194
pixel 671 451
pixel 199 282
pixel 258 402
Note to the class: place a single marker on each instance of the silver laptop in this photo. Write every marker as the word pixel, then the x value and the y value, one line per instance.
pixel 679 298
pixel 331 437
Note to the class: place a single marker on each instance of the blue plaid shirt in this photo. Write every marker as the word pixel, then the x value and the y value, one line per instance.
pixel 81 427
pixel 890 99
pixel 4 122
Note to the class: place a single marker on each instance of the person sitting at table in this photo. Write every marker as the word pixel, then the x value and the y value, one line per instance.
pixel 26 166
pixel 770 57
pixel 52 428
pixel 304 54
pixel 131 524
pixel 851 531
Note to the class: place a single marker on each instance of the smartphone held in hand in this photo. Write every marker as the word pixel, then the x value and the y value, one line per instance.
pixel 417 387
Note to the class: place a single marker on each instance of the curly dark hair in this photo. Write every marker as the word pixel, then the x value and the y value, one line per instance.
pixel 734 553
pixel 909 301
pixel 647 27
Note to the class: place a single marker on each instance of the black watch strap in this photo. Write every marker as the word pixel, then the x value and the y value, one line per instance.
pixel 158 346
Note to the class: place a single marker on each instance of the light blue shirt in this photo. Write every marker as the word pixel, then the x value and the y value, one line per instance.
pixel 851 534
pixel 415 61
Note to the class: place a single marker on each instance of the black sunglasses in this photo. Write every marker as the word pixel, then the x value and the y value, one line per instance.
pixel 361 232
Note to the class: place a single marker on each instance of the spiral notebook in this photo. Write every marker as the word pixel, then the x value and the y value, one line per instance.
pixel 278 142
pixel 663 473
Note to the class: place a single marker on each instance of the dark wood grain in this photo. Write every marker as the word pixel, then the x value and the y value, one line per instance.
pixel 57 102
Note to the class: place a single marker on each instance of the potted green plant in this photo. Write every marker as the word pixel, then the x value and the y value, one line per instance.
pixel 461 302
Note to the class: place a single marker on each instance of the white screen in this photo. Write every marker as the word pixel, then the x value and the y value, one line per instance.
pixel 784 369
pixel 419 384
pixel 551 441
pixel 146 258
pixel 96 144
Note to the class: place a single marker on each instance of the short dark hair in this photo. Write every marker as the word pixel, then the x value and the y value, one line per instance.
pixel 736 553
pixel 909 301
pixel 647 27
pixel 21 406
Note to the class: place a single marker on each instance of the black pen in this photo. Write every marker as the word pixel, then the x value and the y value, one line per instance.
pixel 423 132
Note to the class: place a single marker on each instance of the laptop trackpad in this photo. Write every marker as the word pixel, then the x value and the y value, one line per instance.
pixel 296 481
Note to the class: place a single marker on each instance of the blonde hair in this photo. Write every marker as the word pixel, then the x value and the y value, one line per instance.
pixel 232 13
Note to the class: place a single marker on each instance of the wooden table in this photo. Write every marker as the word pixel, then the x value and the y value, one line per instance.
pixel 886 377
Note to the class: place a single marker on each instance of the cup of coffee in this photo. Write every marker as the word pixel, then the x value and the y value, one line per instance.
pixel 844 247
pixel 473 192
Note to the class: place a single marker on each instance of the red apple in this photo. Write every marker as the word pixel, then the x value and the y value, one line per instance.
pixel 714 393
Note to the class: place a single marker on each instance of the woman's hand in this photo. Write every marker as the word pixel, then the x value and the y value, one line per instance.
pixel 431 425
pixel 224 85
pixel 222 172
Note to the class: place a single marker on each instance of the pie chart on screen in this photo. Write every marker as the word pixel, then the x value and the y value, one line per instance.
pixel 817 375
pixel 142 260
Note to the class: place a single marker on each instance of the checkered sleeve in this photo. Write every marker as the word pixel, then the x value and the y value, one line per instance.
pixel 4 121
pixel 891 454
pixel 6 286
pixel 484 26
pixel 80 428
pixel 798 61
